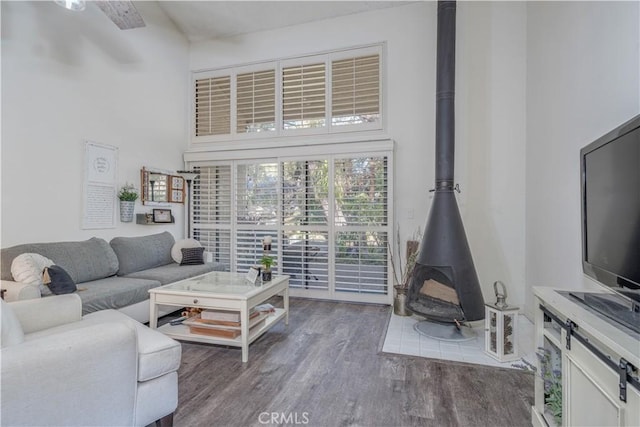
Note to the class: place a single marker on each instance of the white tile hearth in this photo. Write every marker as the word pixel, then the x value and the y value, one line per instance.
pixel 402 338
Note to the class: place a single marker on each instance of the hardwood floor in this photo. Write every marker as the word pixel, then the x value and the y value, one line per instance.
pixel 326 369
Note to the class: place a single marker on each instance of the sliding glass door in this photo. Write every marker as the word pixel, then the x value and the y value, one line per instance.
pixel 328 218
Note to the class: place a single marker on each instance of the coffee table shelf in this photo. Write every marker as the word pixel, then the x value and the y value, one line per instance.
pixel 182 332
pixel 221 291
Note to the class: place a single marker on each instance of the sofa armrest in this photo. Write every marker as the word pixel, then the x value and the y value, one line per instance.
pixel 72 378
pixel 44 313
pixel 19 291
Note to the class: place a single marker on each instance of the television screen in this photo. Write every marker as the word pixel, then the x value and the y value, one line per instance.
pixel 611 207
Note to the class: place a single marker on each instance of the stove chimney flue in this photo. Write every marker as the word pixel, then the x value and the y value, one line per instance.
pixel 445 287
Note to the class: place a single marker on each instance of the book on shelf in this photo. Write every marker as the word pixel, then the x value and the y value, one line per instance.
pixel 215 332
pixel 221 315
pixel 226 322
pixel 197 322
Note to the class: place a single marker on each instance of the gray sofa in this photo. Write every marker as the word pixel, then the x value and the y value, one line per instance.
pixel 109 275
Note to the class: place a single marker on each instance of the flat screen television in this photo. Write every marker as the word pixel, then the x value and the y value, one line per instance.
pixel 610 196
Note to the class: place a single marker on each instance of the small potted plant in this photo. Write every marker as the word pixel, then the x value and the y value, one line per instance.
pixel 128 196
pixel 267 261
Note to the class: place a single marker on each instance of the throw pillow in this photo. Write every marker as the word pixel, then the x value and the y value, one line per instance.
pixel 27 268
pixel 192 256
pixel 58 280
pixel 176 250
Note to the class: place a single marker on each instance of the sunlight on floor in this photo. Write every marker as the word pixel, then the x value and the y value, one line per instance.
pixel 401 338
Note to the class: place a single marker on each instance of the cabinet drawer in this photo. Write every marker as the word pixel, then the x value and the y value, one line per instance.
pixel 197 301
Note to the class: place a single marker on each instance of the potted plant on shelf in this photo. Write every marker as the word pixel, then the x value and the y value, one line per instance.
pixel 128 196
pixel 267 262
pixel 402 273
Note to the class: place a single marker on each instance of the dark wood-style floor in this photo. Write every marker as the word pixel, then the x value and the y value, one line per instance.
pixel 326 369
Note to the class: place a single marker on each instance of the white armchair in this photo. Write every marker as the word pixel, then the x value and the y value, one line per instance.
pixel 60 368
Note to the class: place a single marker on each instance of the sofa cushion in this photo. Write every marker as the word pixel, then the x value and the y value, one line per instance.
pixel 27 268
pixel 58 280
pixel 174 272
pixel 84 261
pixel 114 292
pixel 11 329
pixel 141 253
pixel 157 353
pixel 176 250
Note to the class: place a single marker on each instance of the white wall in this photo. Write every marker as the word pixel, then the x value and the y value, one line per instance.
pixel 489 104
pixel 69 77
pixel 583 79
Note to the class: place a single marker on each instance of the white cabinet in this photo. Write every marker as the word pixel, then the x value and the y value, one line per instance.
pixel 589 368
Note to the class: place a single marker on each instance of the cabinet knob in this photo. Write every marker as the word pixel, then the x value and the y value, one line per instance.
pixel 195 300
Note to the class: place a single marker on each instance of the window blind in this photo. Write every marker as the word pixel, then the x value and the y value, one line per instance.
pixel 213 106
pixel 355 90
pixel 211 211
pixel 256 101
pixel 303 96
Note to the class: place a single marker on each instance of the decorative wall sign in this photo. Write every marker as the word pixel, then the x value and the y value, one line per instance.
pixel 99 186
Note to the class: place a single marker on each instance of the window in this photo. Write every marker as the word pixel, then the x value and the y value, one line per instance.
pixel 213 106
pixel 355 89
pixel 212 211
pixel 256 102
pixel 327 217
pixel 303 96
pixel 326 93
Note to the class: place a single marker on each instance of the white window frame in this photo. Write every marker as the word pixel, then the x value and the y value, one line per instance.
pixel 280 132
pixel 325 152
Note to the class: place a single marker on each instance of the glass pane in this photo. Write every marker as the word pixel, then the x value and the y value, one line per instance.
pixel 508 333
pixel 217 242
pixel 257 194
pixel 361 261
pixel 493 328
pixel 212 195
pixel 361 191
pixel 305 192
pixel 249 249
pixel 305 259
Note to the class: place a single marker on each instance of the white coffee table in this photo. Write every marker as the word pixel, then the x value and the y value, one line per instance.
pixel 221 291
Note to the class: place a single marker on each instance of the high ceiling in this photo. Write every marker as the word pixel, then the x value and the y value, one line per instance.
pixel 202 20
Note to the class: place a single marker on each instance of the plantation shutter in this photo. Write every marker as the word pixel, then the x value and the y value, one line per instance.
pixel 256 212
pixel 303 96
pixel 305 213
pixel 213 106
pixel 256 101
pixel 211 207
pixel 355 90
pixel 360 219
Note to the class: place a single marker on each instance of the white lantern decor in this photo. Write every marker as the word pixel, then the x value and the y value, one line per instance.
pixel 501 325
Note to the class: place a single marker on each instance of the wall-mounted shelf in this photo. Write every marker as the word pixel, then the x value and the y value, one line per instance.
pixel 147 219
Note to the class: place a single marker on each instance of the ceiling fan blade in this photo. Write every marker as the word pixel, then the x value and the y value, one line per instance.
pixel 122 13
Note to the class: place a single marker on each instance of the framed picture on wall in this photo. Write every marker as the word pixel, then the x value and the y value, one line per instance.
pixel 162 215
pixel 177 182
pixel 176 190
pixel 177 196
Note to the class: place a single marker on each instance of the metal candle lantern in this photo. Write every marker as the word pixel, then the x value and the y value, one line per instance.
pixel 501 324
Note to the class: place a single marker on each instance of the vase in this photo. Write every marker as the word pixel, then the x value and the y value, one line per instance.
pixel 266 275
pixel 400 301
pixel 126 210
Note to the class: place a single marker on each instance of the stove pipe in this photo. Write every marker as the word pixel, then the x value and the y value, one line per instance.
pixel 444 254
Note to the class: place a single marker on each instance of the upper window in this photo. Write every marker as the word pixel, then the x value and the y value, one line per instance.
pixel 256 101
pixel 334 92
pixel 303 96
pixel 355 90
pixel 213 106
